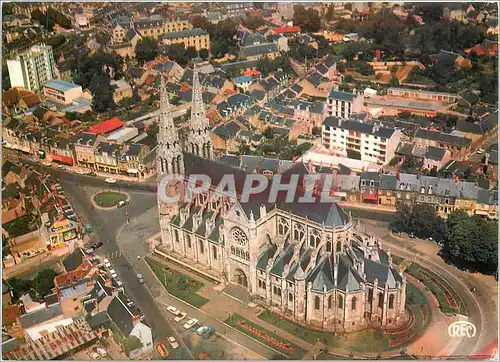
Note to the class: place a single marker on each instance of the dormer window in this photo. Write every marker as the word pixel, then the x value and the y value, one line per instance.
pixel 430 190
pixel 422 190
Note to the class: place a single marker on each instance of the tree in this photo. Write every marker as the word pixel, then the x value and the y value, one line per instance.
pixel 402 219
pixel 56 41
pixel 330 13
pixel 411 164
pixel 202 22
pixel 394 81
pixel 126 102
pixel 268 133
pixel 203 53
pixel 191 52
pixel 131 343
pixel 20 286
pixel 146 50
pixel 103 38
pixel 426 223
pixel 316 131
pixel 244 149
pixel 102 93
pixel 44 281
pixel 308 20
pixel 178 53
pixel 264 65
pixel 254 22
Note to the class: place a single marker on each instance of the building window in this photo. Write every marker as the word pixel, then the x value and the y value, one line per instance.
pixel 330 302
pixel 380 300
pixel 176 235
pixel 290 297
pixel 283 226
pixel 391 301
pixel 329 246
pixel 298 232
pixel 314 238
pixel 339 246
pixel 202 247
pixel 316 303
pixel 214 252
pixel 340 302
pixel 239 236
pixel 353 303
pixel 188 239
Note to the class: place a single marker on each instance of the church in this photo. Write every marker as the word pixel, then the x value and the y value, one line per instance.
pixel 308 262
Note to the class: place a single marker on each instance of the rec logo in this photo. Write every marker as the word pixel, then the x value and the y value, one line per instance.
pixel 462 329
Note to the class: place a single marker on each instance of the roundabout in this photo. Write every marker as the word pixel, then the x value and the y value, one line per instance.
pixel 109 199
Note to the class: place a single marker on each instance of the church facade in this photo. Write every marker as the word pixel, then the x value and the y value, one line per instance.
pixel 307 261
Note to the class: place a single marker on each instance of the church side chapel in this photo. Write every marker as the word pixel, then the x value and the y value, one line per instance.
pixel 306 261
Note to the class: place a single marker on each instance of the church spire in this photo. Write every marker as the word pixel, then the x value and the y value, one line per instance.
pixel 199 140
pixel 169 158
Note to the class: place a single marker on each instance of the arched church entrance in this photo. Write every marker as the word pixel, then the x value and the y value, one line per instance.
pixel 240 278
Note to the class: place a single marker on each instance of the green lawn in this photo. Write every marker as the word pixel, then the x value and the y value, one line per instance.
pixel 338 48
pixel 109 198
pixel 235 320
pixel 419 79
pixel 363 341
pixel 180 285
pixel 20 226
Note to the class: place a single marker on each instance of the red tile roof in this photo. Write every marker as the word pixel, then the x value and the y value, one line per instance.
pixel 66 279
pixel 287 29
pixel 10 314
pixel 106 126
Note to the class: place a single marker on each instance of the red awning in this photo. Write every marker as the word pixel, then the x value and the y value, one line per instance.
pixel 62 159
pixel 371 197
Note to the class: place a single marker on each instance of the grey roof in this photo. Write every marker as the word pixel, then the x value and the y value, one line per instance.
pixel 121 316
pixel 184 33
pixel 257 94
pixel 344 96
pixel 435 153
pixel 315 79
pixel 443 137
pixel 296 88
pixel 244 64
pixel 347 182
pixel 388 182
pixel 73 260
pixel 40 316
pixel 227 131
pixel 260 49
pixel 252 39
pixel 231 160
pixel 84 138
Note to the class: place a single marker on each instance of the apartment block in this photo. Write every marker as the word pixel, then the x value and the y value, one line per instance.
pixel 343 104
pixel 197 38
pixel 373 143
pixel 32 69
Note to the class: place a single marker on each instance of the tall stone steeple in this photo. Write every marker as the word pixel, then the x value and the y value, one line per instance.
pixel 169 158
pixel 199 140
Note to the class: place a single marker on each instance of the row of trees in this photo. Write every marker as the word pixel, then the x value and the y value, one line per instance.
pixel 469 241
pixel 222 35
pixel 265 65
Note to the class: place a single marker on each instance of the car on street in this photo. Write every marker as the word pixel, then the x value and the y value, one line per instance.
pixel 97 245
pixel 180 317
pixel 200 330
pixel 190 323
pixel 102 352
pixel 113 274
pixel 61 166
pixel 140 278
pixel 107 264
pixel 173 310
pixel 89 251
pixel 480 151
pixel 122 204
pixel 47 163
pixel 110 180
pixel 32 159
pixel 82 172
pixel 173 342
pixel 207 333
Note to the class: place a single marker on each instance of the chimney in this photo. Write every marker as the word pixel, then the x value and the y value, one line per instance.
pixel 336 87
pixel 354 91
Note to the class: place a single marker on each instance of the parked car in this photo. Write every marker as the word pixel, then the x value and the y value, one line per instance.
pixel 480 151
pixel 47 163
pixel 110 180
pixel 190 323
pixel 97 245
pixel 113 274
pixel 173 342
pixel 140 278
pixel 200 330
pixel 32 159
pixel 207 333
pixel 102 352
pixel 107 264
pixel 89 251
pixel 180 317
pixel 80 172
pixel 61 166
pixel 173 310
pixel 122 204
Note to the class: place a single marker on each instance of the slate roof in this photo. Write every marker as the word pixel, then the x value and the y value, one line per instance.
pixel 435 153
pixel 260 49
pixel 344 96
pixel 257 94
pixel 40 316
pixel 184 33
pixel 73 260
pixel 227 131
pixel 121 316
pixel 443 137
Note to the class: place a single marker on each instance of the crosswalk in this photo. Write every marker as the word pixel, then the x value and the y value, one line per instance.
pixel 113 255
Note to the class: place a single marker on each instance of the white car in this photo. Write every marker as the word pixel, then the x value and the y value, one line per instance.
pixel 200 330
pixel 47 163
pixel 61 166
pixel 110 180
pixel 113 274
pixel 173 310
pixel 107 264
pixel 190 323
pixel 102 352
pixel 81 172
pixel 173 342
pixel 481 150
pixel 180 317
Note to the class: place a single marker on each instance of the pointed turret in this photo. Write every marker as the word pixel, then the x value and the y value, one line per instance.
pixel 199 140
pixel 169 158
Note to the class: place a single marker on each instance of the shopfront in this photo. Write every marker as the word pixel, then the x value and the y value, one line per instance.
pixel 62 159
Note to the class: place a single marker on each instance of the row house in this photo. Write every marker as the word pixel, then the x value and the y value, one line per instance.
pixel 444 195
pixel 106 157
pixel 458 146
pixel 197 38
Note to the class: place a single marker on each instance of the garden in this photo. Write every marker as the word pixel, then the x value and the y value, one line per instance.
pixel 267 337
pixel 178 284
pixel 109 198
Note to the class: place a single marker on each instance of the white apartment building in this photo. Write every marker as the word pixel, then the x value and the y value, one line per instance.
pixel 373 143
pixel 343 104
pixel 33 68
